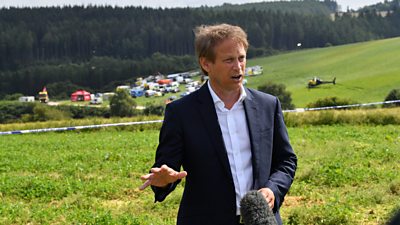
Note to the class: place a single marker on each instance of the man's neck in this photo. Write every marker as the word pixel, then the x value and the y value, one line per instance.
pixel 228 97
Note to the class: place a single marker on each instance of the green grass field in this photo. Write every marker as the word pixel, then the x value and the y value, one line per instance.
pixel 346 175
pixel 365 72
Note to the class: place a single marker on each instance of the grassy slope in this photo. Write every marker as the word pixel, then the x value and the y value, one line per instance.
pixel 365 72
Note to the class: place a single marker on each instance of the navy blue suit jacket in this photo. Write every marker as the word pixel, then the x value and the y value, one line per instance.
pixel 191 137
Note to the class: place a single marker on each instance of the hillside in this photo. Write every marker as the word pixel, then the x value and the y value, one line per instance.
pixel 365 72
pixel 95 47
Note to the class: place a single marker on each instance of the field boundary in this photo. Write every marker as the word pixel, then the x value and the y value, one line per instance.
pixel 160 121
pixel 342 106
pixel 78 127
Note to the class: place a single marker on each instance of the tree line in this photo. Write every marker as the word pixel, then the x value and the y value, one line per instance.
pixel 98 46
pixel 324 7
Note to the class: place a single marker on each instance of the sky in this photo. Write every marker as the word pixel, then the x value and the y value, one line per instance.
pixel 352 4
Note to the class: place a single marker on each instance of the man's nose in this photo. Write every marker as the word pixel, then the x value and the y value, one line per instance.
pixel 238 64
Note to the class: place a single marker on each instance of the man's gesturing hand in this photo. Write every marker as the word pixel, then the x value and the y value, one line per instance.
pixel 161 177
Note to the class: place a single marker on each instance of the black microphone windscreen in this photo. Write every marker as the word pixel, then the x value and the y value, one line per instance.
pixel 255 210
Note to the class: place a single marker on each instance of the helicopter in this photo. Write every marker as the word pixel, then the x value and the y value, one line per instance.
pixel 317 81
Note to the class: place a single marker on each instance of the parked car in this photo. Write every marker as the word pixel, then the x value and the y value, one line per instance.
pixel 97 99
pixel 149 93
pixel 137 92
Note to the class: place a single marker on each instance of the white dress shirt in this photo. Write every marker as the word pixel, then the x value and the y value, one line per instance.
pixel 237 143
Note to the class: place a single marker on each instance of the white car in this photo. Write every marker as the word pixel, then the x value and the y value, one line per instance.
pixel 96 101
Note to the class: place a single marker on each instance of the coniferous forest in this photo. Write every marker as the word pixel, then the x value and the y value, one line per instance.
pixel 97 47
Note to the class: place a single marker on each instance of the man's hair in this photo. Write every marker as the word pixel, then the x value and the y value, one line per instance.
pixel 209 36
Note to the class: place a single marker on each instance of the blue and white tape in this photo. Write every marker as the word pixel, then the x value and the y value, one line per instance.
pixel 159 121
pixel 342 106
pixel 78 127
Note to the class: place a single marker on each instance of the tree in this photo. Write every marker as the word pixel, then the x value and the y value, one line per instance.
pixel 278 90
pixel 331 101
pixel 95 46
pixel 12 97
pixel 122 104
pixel 63 89
pixel 393 95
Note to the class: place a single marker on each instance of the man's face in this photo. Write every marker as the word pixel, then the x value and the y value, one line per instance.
pixel 227 71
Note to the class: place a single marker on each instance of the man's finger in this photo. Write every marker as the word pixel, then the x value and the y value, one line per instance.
pixel 155 170
pixel 146 177
pixel 145 185
pixel 181 175
pixel 271 204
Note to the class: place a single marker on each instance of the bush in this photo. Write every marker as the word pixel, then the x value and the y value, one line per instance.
pixel 28 112
pixel 80 112
pixel 278 90
pixel 13 111
pixel 157 110
pixel 355 117
pixel 393 95
pixel 13 97
pixel 43 112
pixel 331 101
pixel 121 104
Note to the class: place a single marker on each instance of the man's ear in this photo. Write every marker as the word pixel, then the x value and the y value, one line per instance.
pixel 205 64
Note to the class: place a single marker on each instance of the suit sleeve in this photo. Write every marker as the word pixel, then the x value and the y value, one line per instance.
pixel 284 160
pixel 169 150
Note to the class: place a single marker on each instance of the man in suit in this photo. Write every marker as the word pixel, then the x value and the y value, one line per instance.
pixel 229 139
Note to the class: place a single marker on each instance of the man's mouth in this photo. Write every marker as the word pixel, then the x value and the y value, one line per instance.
pixel 236 77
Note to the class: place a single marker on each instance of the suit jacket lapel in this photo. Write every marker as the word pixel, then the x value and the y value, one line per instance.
pixel 210 121
pixel 250 106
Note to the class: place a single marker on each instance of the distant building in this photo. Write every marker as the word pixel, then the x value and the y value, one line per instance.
pixel 26 99
pixel 254 71
pixel 333 16
pixel 107 96
pixel 124 87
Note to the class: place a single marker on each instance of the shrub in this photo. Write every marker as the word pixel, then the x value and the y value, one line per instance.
pixel 27 112
pixel 13 97
pixel 151 109
pixel 278 90
pixel 13 111
pixel 393 95
pixel 355 117
pixel 80 112
pixel 121 104
pixel 43 112
pixel 331 101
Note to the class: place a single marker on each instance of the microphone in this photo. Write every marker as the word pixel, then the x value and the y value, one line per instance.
pixel 255 210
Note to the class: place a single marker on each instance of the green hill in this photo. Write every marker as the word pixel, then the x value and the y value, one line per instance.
pixel 365 72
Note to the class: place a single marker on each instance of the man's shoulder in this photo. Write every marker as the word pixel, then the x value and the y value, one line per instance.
pixel 185 101
pixel 259 95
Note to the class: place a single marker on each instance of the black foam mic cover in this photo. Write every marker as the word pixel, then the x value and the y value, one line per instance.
pixel 255 210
